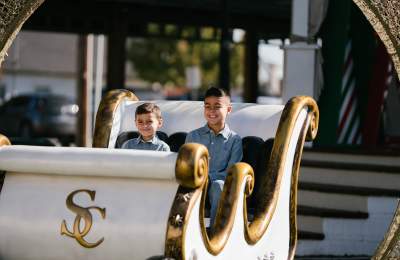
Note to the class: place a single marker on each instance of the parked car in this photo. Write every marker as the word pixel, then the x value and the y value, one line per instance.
pixel 34 115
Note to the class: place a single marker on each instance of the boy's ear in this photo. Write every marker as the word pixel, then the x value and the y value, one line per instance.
pixel 160 122
pixel 229 107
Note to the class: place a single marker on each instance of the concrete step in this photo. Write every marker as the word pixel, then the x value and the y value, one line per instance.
pixel 361 257
pixel 338 201
pixel 349 199
pixel 310 224
pixel 330 213
pixel 350 178
pixel 345 236
pixel 305 210
pixel 306 235
pixel 361 158
pixel 309 228
pixel 351 166
pixel 311 220
pixel 350 190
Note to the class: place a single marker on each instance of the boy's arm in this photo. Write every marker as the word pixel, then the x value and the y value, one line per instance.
pixel 125 145
pixel 235 156
pixel 189 138
pixel 236 153
pixel 165 148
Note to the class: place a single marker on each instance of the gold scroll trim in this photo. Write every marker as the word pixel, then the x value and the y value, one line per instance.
pixel 191 172
pixel 4 140
pixel 227 206
pixel 191 168
pixel 105 115
pixel 270 186
pixel 190 157
pixel 294 184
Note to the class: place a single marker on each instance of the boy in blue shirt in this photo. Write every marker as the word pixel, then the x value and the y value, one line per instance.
pixel 148 120
pixel 224 146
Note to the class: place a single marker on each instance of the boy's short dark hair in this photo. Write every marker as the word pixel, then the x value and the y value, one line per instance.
pixel 147 108
pixel 216 92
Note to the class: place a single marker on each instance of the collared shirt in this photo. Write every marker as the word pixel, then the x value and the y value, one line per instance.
pixel 154 144
pixel 224 148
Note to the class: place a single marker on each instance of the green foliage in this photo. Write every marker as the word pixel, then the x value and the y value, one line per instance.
pixel 165 60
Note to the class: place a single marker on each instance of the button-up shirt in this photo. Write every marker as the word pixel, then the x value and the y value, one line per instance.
pixel 154 144
pixel 224 148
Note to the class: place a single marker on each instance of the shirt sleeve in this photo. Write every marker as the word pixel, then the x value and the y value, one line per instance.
pixel 165 148
pixel 125 145
pixel 189 138
pixel 235 156
pixel 237 151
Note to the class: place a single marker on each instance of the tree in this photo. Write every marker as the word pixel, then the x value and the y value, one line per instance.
pixel 165 60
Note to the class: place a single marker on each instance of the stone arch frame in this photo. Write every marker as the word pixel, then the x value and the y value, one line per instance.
pixel 13 14
pixel 384 15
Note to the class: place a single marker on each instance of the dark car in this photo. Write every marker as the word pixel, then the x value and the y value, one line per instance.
pixel 34 115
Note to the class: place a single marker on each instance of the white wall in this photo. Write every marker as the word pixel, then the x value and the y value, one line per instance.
pixel 20 83
pixel 39 60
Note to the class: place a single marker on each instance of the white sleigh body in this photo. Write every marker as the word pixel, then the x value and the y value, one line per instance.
pixel 136 196
pixel 154 201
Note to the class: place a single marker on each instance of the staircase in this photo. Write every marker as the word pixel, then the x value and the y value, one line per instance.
pixel 345 203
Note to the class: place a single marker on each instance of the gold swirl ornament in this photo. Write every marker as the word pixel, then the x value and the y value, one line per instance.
pixel 191 172
pixel 227 207
pixel 191 168
pixel 271 186
pixel 4 140
pixel 105 115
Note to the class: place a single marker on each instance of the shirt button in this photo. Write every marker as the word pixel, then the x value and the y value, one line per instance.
pixel 212 142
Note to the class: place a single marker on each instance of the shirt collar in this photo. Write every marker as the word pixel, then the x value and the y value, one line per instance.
pixel 152 141
pixel 224 132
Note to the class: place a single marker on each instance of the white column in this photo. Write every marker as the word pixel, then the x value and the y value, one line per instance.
pixel 300 16
pixel 98 73
pixel 300 59
pixel 89 89
pixel 300 67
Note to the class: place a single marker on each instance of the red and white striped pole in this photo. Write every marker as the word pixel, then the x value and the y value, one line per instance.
pixel 348 131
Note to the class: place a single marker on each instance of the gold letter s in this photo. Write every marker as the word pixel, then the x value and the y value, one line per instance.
pixel 82 213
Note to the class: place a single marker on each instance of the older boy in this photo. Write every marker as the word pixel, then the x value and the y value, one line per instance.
pixel 148 120
pixel 224 145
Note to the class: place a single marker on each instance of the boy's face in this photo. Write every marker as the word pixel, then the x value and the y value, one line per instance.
pixel 147 125
pixel 216 109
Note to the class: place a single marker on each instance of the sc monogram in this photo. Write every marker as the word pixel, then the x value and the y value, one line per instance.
pixel 81 213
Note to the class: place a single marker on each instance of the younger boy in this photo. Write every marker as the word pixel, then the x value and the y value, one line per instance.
pixel 148 120
pixel 224 146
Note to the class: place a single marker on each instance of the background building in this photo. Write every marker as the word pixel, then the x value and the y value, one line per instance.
pixel 40 62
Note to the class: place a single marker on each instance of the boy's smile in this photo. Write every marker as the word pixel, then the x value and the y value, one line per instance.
pixel 215 111
pixel 147 125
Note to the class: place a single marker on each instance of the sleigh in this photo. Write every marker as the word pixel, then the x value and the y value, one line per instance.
pixel 110 203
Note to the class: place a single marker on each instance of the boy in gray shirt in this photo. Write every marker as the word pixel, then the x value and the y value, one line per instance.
pixel 224 146
pixel 148 120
